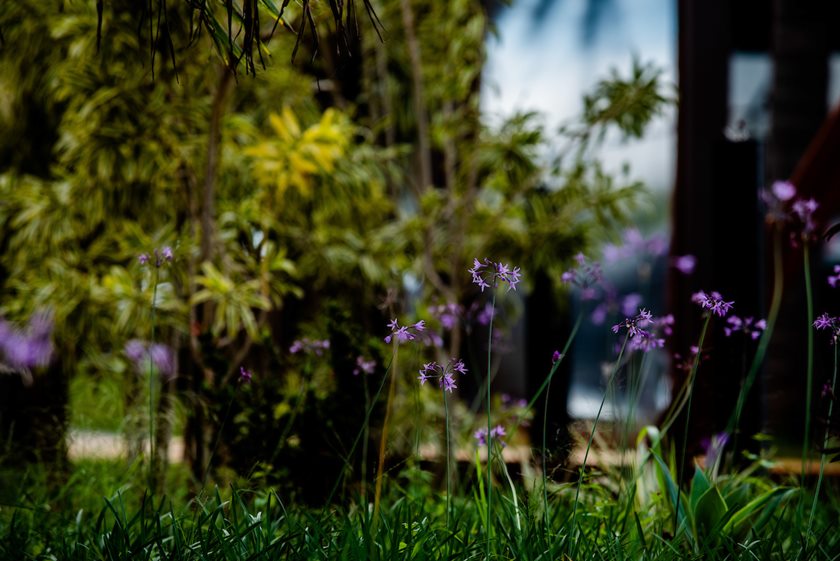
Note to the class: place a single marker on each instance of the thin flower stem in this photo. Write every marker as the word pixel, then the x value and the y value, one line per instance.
pixel 824 445
pixel 764 342
pixel 377 496
pixel 513 493
pixel 365 437
pixel 364 431
pixel 692 377
pixel 152 462
pixel 547 386
pixel 616 366
pixel 448 459
pixel 216 441
pixel 809 383
pixel 489 428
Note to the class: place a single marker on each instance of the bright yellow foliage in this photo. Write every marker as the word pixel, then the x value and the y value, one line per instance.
pixel 294 158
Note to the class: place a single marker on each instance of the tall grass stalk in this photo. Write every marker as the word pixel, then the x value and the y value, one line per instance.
pixel 363 432
pixel 824 444
pixel 582 469
pixel 489 426
pixel 809 372
pixel 692 377
pixel 448 460
pixel 501 459
pixel 365 438
pixel 380 470
pixel 152 457
pixel 546 385
pixel 764 341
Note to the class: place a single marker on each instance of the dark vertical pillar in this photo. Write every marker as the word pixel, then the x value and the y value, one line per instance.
pixel 547 329
pixel 703 58
pixel 798 108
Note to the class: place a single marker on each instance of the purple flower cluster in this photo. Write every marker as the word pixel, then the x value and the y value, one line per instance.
pixel 640 337
pixel 586 277
pixel 713 447
pixel 834 280
pixel 405 333
pixel 687 363
pixel 747 325
pixel 783 207
pixel 309 346
pixel 162 256
pixel 160 355
pixel 488 273
pixel 685 263
pixel 363 365
pixel 509 402
pixel 27 348
pixel 612 302
pixel 245 375
pixel 635 244
pixel 445 375
pixel 829 323
pixel 496 433
pixel 712 301
pixel 447 314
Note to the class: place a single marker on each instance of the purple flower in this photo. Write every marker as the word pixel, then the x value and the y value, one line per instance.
pixel 444 374
pixel 403 334
pixel 827 391
pixel 447 314
pixel 783 190
pixel 635 324
pixel 508 402
pixel 491 271
pixel 162 256
pixel 447 382
pixel 141 354
pixel 309 346
pixel 630 303
pixel 586 277
pixel 714 447
pixel 245 375
pixel 556 357
pixel 667 324
pixel 713 302
pixel 362 365
pixel 485 314
pixel 825 321
pixel 747 326
pixel 833 280
pixel 685 264
pixel 635 244
pixel 803 210
pixel 640 331
pixel 687 363
pixel 28 348
pixel 163 358
pixel 135 350
pixel 496 433
pixel 829 323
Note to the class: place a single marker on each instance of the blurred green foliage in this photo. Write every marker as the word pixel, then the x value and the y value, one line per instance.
pixel 293 200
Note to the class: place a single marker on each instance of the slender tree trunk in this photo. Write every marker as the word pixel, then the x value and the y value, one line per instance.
pixel 201 317
pixel 418 98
